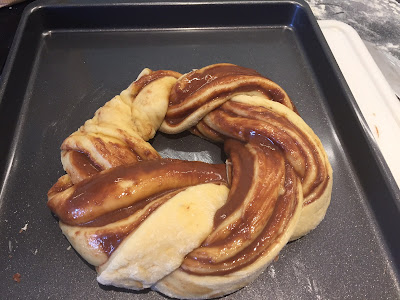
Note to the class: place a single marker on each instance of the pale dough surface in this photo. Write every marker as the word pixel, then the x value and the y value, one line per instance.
pixel 161 242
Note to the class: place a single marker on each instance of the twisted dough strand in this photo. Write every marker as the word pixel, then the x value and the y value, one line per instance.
pixel 107 141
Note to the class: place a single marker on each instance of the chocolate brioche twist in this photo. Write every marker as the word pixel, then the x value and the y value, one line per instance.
pixel 191 229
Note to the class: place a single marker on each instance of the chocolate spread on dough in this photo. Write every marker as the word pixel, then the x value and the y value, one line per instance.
pixel 109 239
pixel 83 164
pixel 270 209
pixel 216 83
pixel 197 79
pixel 123 186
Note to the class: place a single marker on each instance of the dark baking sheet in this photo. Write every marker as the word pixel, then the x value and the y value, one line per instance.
pixel 70 57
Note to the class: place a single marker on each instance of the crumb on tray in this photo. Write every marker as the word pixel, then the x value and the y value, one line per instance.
pixel 17 277
pixel 24 228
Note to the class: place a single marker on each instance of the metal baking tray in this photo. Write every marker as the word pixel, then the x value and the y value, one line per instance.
pixel 70 57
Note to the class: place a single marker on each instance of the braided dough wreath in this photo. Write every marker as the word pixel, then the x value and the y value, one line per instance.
pixel 191 229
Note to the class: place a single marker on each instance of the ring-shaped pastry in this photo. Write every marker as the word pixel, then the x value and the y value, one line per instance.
pixel 191 229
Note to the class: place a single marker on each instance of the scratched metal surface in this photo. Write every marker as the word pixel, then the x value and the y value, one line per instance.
pixel 72 68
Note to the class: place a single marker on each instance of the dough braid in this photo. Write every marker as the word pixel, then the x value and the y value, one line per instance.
pixel 191 229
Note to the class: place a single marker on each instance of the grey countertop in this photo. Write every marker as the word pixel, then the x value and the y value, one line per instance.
pixel 378 24
pixel 376 21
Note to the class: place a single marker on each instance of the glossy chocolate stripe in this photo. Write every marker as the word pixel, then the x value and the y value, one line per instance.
pixel 255 132
pixel 123 186
pixel 125 212
pixel 242 177
pixel 198 79
pixel 174 118
pixel 304 145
